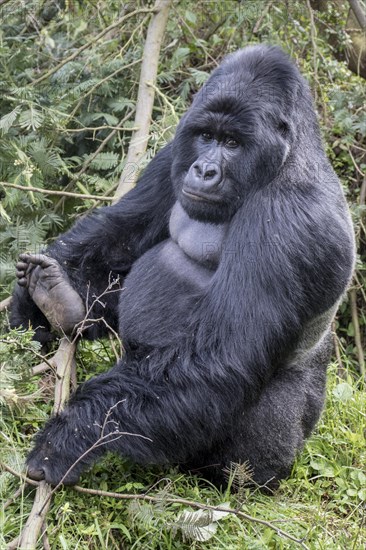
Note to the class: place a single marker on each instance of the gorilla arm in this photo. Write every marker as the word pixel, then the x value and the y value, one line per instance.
pixel 103 246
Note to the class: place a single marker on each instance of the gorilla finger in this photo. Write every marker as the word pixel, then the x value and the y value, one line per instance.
pixel 41 260
pixel 21 266
pixel 23 282
pixel 24 257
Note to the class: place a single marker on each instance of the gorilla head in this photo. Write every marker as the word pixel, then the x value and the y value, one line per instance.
pixel 238 133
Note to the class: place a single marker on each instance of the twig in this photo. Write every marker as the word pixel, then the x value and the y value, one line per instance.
pixel 102 145
pixel 341 371
pixel 45 361
pixel 260 20
pixel 29 189
pixel 359 11
pixel 14 544
pixel 45 541
pixel 363 191
pixel 42 367
pixel 29 536
pixel 145 96
pixel 11 499
pixel 314 47
pixel 356 327
pixel 355 163
pixel 87 45
pixel 172 500
pixel 5 303
pixel 21 476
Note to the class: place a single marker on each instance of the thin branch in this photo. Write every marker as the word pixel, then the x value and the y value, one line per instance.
pixel 363 192
pixel 360 12
pixel 32 529
pixel 20 475
pixel 260 20
pixel 90 43
pixel 145 96
pixel 313 34
pixel 356 327
pixel 341 371
pixel 29 189
pixel 171 500
pixel 355 163
pixel 10 500
pixel 45 361
pixel 96 128
pixel 102 145
pixel 45 541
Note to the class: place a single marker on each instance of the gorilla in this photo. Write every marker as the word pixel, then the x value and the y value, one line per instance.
pixel 222 271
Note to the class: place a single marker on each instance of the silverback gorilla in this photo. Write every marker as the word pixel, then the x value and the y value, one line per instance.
pixel 232 254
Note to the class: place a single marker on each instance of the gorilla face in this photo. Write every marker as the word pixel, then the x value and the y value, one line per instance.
pixel 232 141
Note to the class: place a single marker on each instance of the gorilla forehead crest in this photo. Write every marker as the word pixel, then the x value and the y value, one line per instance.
pixel 256 75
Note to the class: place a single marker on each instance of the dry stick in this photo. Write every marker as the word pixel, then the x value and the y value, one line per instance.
pixel 260 20
pixel 145 96
pixel 360 12
pixel 102 145
pixel 29 536
pixel 46 364
pixel 90 43
pixel 363 192
pixel 341 371
pixel 356 326
pixel 45 541
pixel 314 47
pixel 10 500
pixel 5 304
pixel 170 500
pixel 29 189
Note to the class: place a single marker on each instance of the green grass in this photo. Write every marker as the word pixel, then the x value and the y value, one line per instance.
pixel 323 501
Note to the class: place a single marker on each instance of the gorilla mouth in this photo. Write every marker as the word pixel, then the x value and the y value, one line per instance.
pixel 199 196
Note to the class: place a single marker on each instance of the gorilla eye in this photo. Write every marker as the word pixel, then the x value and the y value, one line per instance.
pixel 207 136
pixel 232 143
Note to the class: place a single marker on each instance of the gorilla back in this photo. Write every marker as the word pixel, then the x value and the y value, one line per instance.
pixel 233 252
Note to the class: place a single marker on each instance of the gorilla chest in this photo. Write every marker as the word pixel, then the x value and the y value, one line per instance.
pixel 164 287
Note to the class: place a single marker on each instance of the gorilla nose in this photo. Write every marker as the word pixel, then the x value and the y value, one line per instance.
pixel 207 175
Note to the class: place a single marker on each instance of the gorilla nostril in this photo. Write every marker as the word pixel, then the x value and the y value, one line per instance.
pixel 209 174
pixel 36 474
pixel 197 170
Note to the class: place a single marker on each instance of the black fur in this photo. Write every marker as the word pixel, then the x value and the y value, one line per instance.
pixel 226 350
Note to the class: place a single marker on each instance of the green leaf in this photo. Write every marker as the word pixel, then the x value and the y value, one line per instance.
pixel 343 392
pixel 7 121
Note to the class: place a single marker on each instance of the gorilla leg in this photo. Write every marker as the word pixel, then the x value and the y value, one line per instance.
pixel 49 287
pixel 110 412
pixel 272 431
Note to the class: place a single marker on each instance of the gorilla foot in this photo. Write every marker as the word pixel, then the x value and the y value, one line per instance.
pixel 51 468
pixel 50 289
pixel 56 455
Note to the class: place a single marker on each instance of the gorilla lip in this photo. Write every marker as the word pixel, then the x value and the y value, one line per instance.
pixel 198 196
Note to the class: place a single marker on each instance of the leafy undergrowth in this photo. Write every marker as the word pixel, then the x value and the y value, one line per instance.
pixel 322 503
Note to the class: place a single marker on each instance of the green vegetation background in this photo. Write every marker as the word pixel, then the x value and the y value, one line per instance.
pixel 58 132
